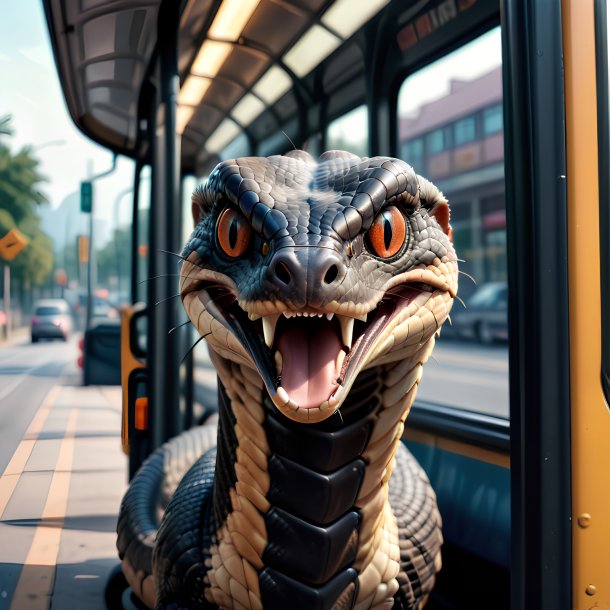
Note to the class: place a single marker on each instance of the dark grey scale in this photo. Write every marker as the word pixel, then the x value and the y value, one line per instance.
pixel 257 219
pixel 227 445
pixel 387 178
pixel 275 226
pixel 183 540
pixel 376 190
pixel 227 169
pixel 247 201
pixel 312 528
pixel 353 221
pixel 418 521
pixel 231 186
pixel 339 226
pixel 363 204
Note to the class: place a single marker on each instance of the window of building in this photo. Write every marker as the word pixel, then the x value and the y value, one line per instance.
pixel 492 120
pixel 441 106
pixel 412 151
pixel 350 132
pixel 464 131
pixel 436 141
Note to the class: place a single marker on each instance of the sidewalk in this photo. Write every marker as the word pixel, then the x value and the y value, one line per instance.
pixel 17 336
pixel 59 498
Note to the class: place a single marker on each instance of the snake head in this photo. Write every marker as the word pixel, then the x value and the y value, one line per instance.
pixel 311 271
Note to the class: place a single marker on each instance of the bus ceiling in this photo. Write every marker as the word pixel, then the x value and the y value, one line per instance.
pixel 253 67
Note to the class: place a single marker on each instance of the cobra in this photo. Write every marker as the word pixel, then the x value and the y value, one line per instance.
pixel 320 286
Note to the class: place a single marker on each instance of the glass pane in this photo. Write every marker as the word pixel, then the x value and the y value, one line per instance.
pixel 239 147
pixel 464 131
pixel 143 226
pixel 350 132
pixel 436 141
pixel 450 130
pixel 492 120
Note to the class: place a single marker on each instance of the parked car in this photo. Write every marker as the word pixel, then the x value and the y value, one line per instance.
pixel 485 317
pixel 51 319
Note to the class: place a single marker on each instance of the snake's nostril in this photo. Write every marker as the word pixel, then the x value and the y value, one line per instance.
pixel 283 273
pixel 331 274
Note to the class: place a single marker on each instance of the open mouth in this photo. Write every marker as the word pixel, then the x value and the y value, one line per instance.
pixel 307 359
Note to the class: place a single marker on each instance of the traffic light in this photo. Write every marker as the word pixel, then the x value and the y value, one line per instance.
pixel 86 197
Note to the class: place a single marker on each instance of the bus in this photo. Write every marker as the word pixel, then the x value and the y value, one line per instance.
pixel 504 106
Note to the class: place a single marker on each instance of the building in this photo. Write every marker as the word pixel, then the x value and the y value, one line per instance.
pixel 457 141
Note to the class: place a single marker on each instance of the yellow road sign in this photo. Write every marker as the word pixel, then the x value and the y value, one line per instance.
pixel 83 249
pixel 12 243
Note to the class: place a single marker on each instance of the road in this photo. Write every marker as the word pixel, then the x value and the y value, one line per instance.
pixel 27 373
pixel 62 476
pixel 467 375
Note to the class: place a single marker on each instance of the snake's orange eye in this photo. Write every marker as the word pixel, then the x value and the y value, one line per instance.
pixel 388 233
pixel 234 233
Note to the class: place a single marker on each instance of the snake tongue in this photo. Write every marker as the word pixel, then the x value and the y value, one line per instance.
pixel 309 356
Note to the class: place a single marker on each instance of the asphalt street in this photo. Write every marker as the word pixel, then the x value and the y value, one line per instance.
pixel 27 373
pixel 468 375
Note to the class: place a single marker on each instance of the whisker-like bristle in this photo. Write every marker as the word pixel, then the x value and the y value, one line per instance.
pixel 156 277
pixel 468 276
pixel 173 296
pixel 172 254
pixel 179 326
pixel 460 300
pixel 193 346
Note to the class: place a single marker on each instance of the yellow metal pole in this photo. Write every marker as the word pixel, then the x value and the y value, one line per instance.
pixel 589 412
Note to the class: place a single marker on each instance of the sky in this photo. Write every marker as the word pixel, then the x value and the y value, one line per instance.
pixel 30 92
pixel 466 63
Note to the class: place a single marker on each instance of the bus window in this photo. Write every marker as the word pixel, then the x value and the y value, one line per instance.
pixel 143 229
pixel 239 147
pixel 450 130
pixel 350 132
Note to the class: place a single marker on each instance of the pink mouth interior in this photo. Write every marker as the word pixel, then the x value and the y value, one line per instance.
pixel 309 353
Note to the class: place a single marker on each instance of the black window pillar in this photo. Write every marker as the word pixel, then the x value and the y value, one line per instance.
pixel 165 350
pixel 536 210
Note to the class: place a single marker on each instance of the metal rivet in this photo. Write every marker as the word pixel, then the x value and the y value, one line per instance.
pixel 591 590
pixel 584 520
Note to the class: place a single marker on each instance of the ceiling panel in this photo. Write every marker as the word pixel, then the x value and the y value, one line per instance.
pixel 274 26
pixel 244 66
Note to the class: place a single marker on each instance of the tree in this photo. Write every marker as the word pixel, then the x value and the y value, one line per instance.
pixel 20 198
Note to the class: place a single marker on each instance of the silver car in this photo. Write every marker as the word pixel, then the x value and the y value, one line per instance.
pixel 486 315
pixel 51 319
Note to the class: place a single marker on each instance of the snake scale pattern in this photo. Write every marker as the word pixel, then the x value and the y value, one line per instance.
pixel 320 286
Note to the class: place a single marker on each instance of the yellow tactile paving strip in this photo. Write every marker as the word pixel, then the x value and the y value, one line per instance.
pixel 67 472
pixel 12 472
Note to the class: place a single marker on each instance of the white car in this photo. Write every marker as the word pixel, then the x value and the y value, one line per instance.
pixel 52 319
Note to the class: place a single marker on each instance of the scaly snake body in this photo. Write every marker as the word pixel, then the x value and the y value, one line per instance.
pixel 320 287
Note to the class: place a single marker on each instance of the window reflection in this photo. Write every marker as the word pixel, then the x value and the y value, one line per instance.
pixel 350 132
pixel 451 131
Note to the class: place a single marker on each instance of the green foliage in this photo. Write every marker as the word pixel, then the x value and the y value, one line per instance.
pixel 7 222
pixel 19 200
